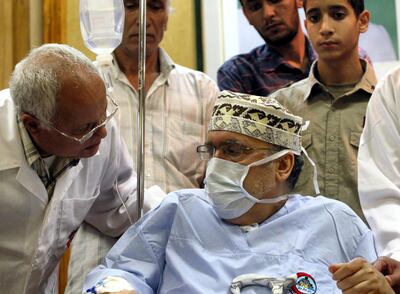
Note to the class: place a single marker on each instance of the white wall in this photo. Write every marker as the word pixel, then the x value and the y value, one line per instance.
pixel 212 36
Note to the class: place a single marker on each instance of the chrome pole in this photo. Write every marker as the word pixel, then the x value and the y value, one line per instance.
pixel 141 111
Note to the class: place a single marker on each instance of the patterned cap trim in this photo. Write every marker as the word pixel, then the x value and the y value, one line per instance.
pixel 262 118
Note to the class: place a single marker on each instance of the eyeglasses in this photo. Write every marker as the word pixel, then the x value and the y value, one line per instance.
pixel 230 149
pixel 112 108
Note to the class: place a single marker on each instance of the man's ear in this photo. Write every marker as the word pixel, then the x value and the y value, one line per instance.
pixel 284 167
pixel 31 123
pixel 363 20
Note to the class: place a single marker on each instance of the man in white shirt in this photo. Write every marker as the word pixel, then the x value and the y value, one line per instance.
pixel 379 168
pixel 179 102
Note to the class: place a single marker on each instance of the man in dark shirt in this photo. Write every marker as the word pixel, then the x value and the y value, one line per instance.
pixel 285 57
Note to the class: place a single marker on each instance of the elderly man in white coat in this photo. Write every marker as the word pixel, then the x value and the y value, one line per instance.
pixel 54 172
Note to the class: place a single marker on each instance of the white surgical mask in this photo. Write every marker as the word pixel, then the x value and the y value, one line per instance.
pixel 224 185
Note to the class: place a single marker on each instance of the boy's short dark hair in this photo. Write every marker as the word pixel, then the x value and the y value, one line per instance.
pixel 358 5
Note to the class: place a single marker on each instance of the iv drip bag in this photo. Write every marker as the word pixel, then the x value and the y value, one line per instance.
pixel 102 26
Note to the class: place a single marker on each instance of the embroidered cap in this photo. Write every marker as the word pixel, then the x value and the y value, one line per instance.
pixel 262 118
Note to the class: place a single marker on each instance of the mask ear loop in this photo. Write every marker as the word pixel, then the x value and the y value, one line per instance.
pixel 265 160
pixel 315 173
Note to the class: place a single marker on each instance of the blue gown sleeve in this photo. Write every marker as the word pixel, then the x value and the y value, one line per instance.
pixel 366 247
pixel 355 238
pixel 139 255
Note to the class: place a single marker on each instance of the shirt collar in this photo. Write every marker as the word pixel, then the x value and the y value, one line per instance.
pixel 166 63
pixel 366 83
pixel 30 150
pixel 166 66
pixel 36 162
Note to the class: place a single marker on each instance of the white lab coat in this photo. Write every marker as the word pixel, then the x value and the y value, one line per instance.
pixel 85 192
pixel 379 165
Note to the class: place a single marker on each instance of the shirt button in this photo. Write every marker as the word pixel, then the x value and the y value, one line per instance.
pixel 331 170
pixel 332 138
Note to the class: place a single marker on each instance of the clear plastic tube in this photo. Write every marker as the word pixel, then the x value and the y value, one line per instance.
pixel 104 63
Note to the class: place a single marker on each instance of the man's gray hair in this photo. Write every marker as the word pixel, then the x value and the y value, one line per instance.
pixel 37 79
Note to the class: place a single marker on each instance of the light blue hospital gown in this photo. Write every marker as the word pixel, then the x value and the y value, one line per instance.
pixel 184 247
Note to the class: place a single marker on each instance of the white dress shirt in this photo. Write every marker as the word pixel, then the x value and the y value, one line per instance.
pixel 379 165
pixel 178 108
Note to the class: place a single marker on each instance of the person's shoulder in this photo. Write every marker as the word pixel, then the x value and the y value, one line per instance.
pixel 193 201
pixel 183 71
pixel 332 204
pixel 391 79
pixel 243 58
pixel 295 87
pixel 331 212
pixel 322 203
pixel 292 93
pixel 5 97
pixel 188 195
pixel 5 93
pixel 339 212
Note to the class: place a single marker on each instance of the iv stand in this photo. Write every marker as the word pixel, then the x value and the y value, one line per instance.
pixel 141 111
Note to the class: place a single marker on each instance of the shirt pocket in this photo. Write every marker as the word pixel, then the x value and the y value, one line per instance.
pixel 183 139
pixel 73 212
pixel 354 140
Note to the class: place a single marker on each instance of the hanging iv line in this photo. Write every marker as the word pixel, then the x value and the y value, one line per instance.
pixel 102 25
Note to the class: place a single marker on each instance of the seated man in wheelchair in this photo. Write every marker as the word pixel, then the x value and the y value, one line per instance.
pixel 245 229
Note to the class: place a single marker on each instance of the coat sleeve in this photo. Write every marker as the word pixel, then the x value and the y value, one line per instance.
pixel 379 166
pixel 139 255
pixel 115 207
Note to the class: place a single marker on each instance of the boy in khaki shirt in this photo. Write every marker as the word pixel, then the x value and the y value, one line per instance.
pixel 333 98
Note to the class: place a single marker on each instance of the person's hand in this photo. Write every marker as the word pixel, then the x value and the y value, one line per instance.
pixel 359 276
pixel 390 268
pixel 113 285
